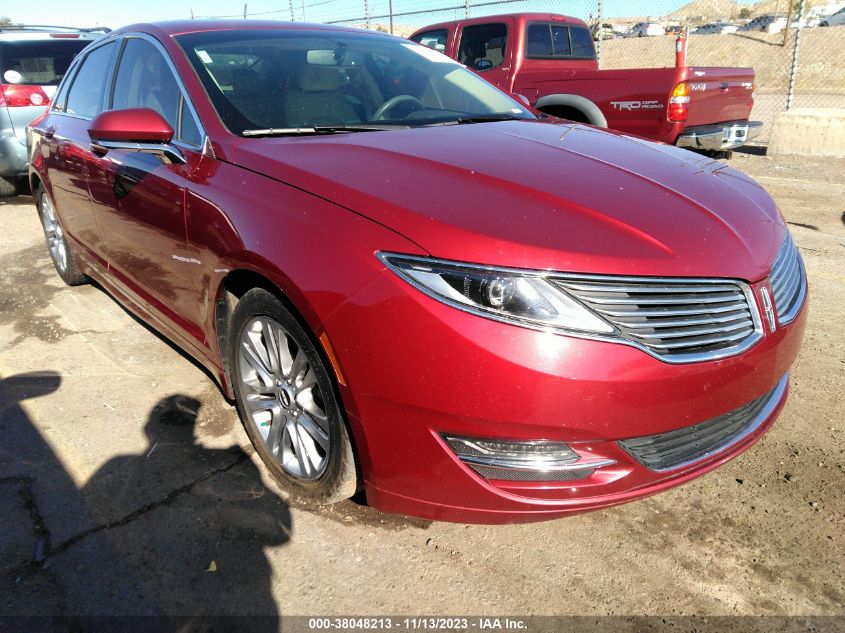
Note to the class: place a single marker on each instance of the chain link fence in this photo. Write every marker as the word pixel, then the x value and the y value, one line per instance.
pixel 798 59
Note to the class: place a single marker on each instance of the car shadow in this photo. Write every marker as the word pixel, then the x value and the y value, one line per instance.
pixel 18 199
pixel 754 150
pixel 177 530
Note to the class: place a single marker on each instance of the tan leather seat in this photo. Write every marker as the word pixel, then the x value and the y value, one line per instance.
pixel 317 99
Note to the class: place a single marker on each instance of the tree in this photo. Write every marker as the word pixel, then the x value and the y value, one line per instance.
pixel 744 13
pixel 4 21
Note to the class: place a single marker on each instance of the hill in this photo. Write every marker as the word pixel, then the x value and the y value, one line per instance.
pixel 729 9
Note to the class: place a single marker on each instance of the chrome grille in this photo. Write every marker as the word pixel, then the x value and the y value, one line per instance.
pixel 678 320
pixel 674 449
pixel 788 281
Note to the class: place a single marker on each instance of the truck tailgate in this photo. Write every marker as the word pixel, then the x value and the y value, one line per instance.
pixel 719 94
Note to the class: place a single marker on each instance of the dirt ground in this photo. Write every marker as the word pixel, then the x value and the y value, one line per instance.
pixel 127 485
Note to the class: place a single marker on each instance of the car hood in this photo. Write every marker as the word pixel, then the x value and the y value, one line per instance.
pixel 533 194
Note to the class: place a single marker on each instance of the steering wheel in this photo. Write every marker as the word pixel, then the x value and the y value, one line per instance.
pixel 378 115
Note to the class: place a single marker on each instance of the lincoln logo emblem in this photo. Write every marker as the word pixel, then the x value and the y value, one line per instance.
pixel 767 308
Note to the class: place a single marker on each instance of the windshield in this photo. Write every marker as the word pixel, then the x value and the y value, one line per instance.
pixel 277 80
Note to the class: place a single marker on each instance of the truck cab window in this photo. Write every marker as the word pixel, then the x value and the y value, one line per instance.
pixel 551 40
pixel 433 39
pixel 484 46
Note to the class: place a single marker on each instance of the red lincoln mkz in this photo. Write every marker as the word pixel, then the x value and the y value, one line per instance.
pixel 409 282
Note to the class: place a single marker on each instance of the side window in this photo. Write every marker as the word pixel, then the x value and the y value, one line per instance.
pixel 550 40
pixel 582 43
pixel 188 130
pixel 484 46
pixel 144 80
pixel 86 96
pixel 433 39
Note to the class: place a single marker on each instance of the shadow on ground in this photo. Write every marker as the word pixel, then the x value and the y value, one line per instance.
pixel 174 530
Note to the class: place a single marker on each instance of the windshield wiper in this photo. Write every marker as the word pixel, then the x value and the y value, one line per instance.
pixel 320 129
pixel 484 118
pixel 481 118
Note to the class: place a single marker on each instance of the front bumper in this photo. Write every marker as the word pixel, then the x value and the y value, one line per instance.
pixel 14 162
pixel 429 370
pixel 720 137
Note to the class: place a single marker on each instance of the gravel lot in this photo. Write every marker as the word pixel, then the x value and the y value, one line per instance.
pixel 109 507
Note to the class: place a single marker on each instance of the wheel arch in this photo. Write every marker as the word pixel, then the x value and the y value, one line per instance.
pixel 34 181
pixel 573 103
pixel 236 283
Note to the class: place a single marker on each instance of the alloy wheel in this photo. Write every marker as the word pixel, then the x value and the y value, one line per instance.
pixel 283 400
pixel 54 234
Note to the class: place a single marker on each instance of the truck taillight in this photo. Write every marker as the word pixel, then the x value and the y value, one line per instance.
pixel 679 103
pixel 14 96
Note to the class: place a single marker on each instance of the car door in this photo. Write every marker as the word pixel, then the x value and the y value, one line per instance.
pixel 139 198
pixel 67 161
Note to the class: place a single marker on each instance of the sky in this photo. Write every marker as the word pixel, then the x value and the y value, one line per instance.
pixel 116 13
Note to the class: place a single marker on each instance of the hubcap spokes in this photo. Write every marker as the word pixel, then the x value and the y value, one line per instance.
pixel 283 400
pixel 53 232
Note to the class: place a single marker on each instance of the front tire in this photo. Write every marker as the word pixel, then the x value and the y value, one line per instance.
pixel 60 251
pixel 287 401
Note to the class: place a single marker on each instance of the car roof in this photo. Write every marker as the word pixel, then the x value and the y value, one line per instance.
pixel 27 32
pixel 172 28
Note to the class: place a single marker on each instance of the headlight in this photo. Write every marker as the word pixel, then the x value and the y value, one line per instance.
pixel 514 296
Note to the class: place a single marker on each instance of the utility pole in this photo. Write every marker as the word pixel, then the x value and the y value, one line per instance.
pixel 192 13
pixel 390 10
pixel 600 13
pixel 244 11
pixel 466 8
pixel 366 14
pixel 292 17
pixel 793 71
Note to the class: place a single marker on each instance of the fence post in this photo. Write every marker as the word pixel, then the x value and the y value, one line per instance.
pixel 793 71
pixel 600 31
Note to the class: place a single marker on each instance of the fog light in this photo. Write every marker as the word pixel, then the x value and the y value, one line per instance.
pixel 523 460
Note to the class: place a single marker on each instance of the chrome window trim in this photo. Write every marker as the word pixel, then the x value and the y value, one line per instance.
pixel 70 75
pixel 122 39
pixel 771 404
pixel 186 99
pixel 73 71
pixel 675 359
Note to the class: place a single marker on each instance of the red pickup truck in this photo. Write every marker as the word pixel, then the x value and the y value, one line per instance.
pixel 550 60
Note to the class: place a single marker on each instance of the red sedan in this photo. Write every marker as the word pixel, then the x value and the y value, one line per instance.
pixel 410 283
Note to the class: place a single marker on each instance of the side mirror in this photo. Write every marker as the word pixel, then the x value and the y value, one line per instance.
pixel 521 98
pixel 134 130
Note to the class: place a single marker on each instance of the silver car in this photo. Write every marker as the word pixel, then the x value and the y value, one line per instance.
pixel 33 59
pixel 716 28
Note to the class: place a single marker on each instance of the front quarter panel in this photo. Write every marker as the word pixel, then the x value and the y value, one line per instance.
pixel 316 252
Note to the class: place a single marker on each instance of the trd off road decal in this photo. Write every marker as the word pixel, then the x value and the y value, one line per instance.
pixel 637 105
